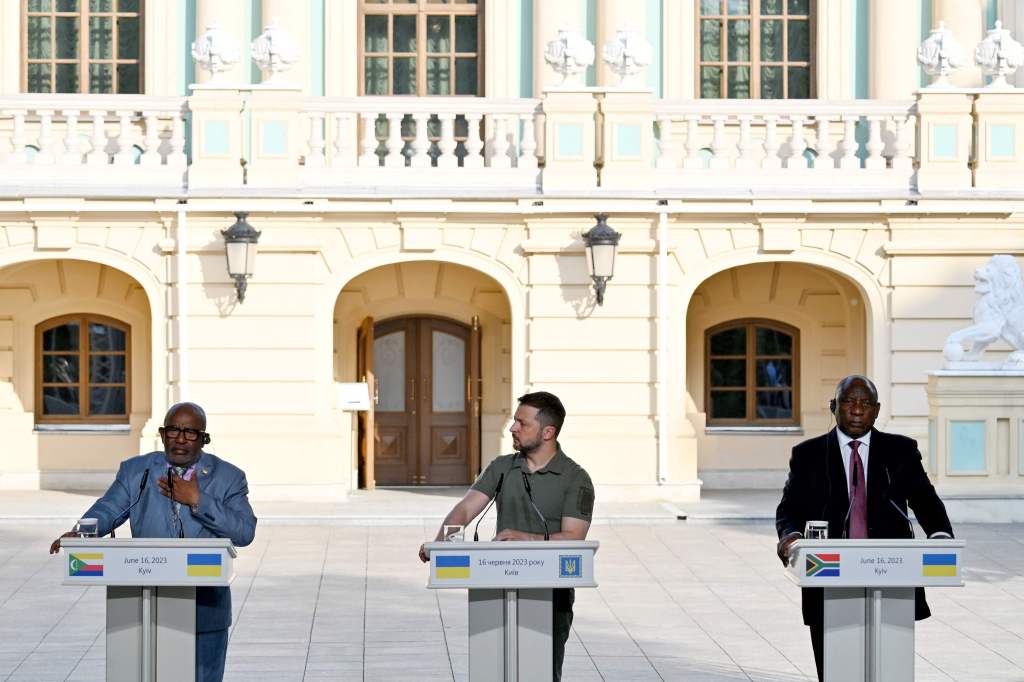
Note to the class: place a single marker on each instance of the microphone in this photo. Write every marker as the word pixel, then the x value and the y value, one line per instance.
pixel 846 521
pixel 888 481
pixel 529 493
pixel 142 489
pixel 497 491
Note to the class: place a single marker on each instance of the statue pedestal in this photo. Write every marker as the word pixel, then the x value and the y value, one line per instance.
pixel 976 431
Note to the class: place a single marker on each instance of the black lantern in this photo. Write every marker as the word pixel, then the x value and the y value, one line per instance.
pixel 602 242
pixel 240 247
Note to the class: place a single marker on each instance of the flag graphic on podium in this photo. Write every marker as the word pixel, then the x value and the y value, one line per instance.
pixel 452 567
pixel 938 565
pixel 204 565
pixel 822 565
pixel 86 564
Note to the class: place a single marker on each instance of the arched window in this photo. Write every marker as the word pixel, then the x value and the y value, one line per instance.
pixel 751 374
pixel 83 370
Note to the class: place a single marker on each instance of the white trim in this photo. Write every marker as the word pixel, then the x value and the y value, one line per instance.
pixel 664 431
pixel 181 291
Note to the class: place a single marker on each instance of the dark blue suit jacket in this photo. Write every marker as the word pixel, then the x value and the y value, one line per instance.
pixel 224 512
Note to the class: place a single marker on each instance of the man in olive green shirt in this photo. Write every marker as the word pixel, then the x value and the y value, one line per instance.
pixel 559 487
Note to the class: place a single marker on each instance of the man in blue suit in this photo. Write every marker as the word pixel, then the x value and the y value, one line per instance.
pixel 196 495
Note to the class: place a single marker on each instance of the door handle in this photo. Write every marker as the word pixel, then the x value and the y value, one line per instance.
pixel 412 394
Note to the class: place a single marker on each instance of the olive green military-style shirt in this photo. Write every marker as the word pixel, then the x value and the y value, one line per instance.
pixel 561 488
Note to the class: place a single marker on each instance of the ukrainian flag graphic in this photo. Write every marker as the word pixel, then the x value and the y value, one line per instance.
pixel 938 565
pixel 204 565
pixel 452 567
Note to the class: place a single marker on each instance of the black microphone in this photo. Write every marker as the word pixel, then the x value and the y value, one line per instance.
pixel 142 489
pixel 888 481
pixel 497 491
pixel 529 493
pixel 846 521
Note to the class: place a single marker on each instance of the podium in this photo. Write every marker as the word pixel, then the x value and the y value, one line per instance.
pixel 151 598
pixel 869 599
pixel 510 586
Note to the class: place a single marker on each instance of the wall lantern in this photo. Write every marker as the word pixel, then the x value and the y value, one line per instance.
pixel 240 247
pixel 602 242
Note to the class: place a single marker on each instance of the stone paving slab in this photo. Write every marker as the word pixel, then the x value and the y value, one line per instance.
pixel 678 601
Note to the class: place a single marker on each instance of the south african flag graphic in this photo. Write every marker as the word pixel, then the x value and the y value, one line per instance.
pixel 822 565
pixel 86 565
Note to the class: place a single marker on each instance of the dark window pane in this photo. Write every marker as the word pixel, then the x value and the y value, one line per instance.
pixel 64 337
pixel 101 5
pixel 438 33
pixel 465 76
pixel 773 7
pixel 728 373
pixel 106 400
pixel 739 6
pixel 774 373
pixel 128 5
pixel 101 78
pixel 405 76
pixel 128 38
pixel 404 29
pixel 729 342
pixel 799 6
pixel 738 41
pixel 60 369
pixel 66 37
pixel 39 38
pixel 67 5
pixel 376 33
pixel 38 5
pixel 38 77
pixel 107 369
pixel 465 34
pixel 799 41
pixel 376 77
pixel 739 82
pixel 771 40
pixel 60 400
pixel 710 82
pixel 104 337
pixel 728 405
pixel 799 82
pixel 711 40
pixel 773 342
pixel 438 76
pixel 101 38
pixel 67 78
pixel 771 82
pixel 774 404
pixel 128 79
pixel 710 6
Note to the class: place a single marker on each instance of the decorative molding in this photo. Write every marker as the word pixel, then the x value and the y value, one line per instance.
pixel 215 51
pixel 999 56
pixel 569 55
pixel 940 54
pixel 627 55
pixel 274 52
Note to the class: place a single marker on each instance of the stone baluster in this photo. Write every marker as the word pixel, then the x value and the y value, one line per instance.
pixel 151 142
pixel 421 143
pixel 667 150
pixel 177 157
pixel 771 145
pixel 474 142
pixel 394 144
pixel 447 144
pixel 719 149
pixel 849 158
pixel 797 143
pixel 18 137
pixel 125 154
pixel 72 151
pixel 745 145
pixel 343 137
pixel 98 154
pixel 368 144
pixel 825 145
pixel 901 158
pixel 316 142
pixel 528 142
pixel 499 143
pixel 45 141
pixel 874 145
pixel 693 160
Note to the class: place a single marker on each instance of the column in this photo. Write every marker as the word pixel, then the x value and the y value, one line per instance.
pixel 611 16
pixel 966 19
pixel 231 15
pixel 893 72
pixel 293 17
pixel 1011 12
pixel 548 17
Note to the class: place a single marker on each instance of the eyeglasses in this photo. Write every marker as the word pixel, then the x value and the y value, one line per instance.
pixel 191 435
pixel 850 403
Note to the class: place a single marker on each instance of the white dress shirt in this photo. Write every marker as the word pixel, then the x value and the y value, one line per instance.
pixel 863 450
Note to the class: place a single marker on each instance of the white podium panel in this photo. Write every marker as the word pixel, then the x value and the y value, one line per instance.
pixel 506 565
pixel 167 562
pixel 869 599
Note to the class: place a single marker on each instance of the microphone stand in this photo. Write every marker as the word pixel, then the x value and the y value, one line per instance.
pixel 497 491
pixel 529 493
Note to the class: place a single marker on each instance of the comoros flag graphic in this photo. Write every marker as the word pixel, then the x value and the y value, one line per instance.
pixel 822 565
pixel 85 564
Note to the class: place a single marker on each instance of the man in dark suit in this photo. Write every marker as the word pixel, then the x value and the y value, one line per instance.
pixel 860 481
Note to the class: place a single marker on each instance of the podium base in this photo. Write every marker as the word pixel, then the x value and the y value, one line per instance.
pixel 869 634
pixel 510 635
pixel 151 634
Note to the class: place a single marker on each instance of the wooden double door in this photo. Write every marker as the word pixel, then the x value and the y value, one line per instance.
pixel 425 420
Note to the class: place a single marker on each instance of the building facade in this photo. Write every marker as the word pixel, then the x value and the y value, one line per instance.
pixel 794 207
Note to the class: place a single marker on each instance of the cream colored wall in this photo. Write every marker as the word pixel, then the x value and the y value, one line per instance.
pixel 443 290
pixel 36 291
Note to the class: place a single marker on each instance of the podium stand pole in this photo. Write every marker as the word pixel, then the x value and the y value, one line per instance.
pixel 511 634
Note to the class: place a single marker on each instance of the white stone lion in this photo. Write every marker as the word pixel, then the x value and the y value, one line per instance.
pixel 998 314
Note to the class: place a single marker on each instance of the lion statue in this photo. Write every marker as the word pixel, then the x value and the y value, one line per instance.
pixel 998 314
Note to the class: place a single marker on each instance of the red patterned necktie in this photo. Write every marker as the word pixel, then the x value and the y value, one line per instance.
pixel 858 494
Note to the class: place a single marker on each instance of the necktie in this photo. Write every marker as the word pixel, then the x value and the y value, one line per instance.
pixel 858 494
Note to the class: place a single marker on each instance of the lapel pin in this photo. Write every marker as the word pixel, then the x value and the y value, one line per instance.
pixel 205 471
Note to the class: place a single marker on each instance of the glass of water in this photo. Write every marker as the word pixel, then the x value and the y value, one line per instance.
pixel 816 530
pixel 454 533
pixel 86 528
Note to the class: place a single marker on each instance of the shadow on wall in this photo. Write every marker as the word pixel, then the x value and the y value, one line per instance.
pixel 570 259
pixel 214 269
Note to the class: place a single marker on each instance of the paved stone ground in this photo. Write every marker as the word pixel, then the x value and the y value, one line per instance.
pixel 677 601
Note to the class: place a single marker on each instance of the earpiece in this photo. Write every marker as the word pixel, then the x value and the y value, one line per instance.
pixel 206 439
pixel 832 406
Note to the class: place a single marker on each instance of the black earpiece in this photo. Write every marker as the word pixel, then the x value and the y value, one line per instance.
pixel 832 406
pixel 206 439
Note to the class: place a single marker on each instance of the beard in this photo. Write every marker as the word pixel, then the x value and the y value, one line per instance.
pixel 525 447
